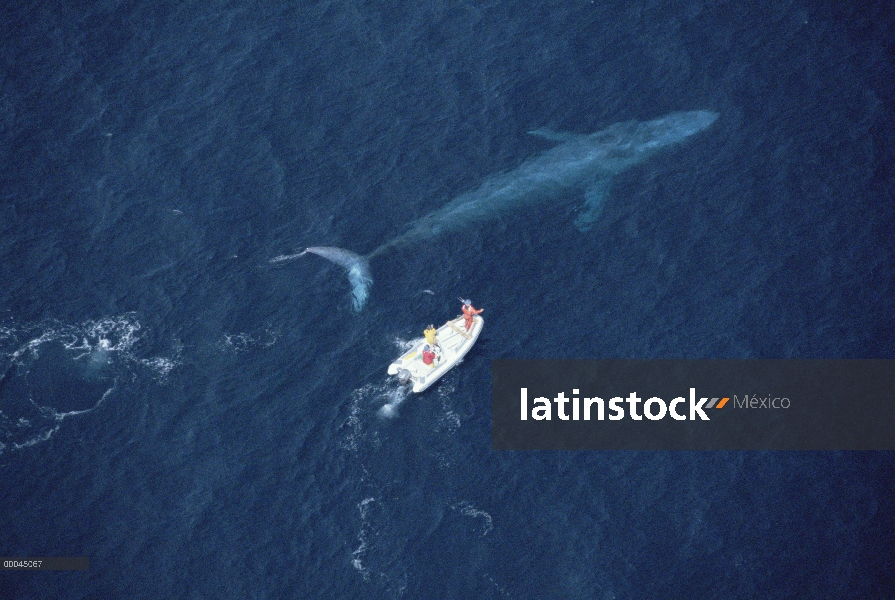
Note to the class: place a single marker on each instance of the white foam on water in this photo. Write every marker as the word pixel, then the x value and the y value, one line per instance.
pixel 449 420
pixel 395 397
pixel 353 424
pixel 468 510
pixel 364 401
pixel 101 350
pixel 403 344
pixel 388 396
pixel 161 365
pixel 362 538
pixel 503 592
pixel 371 407
pixel 60 416
pixel 285 257
pixel 244 341
pixel 103 337
pixel 42 437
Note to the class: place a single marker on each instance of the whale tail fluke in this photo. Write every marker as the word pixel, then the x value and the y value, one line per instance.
pixel 361 281
pixel 358 268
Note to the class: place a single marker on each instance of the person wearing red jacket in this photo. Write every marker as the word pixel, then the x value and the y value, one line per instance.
pixel 468 311
pixel 428 356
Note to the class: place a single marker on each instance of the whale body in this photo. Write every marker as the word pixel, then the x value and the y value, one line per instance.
pixel 579 161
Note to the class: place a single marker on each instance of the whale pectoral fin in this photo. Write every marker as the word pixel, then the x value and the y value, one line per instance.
pixel 594 199
pixel 552 136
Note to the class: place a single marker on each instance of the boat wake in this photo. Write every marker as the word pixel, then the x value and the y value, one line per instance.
pixel 395 397
pixel 392 515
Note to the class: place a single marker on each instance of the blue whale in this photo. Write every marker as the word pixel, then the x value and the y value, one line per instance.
pixel 583 162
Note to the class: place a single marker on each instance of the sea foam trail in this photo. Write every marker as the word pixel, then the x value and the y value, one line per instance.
pixel 287 257
pixel 396 397
pixel 87 360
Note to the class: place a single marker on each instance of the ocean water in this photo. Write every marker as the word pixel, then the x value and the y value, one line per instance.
pixel 203 424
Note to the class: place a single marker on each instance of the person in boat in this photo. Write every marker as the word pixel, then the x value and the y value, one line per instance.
pixel 468 311
pixel 430 335
pixel 428 356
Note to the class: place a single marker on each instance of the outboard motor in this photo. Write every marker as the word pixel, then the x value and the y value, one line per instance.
pixel 404 375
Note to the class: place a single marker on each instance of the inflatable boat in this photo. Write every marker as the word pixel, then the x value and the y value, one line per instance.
pixel 426 363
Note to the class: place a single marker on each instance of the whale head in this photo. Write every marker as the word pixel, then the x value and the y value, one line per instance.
pixel 677 126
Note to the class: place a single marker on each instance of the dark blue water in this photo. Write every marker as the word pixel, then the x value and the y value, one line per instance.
pixel 201 424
